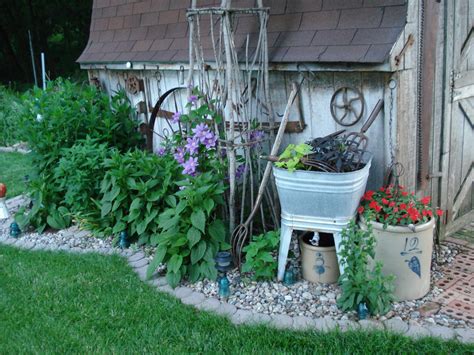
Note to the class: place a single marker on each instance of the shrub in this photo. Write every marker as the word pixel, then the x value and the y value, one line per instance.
pixel 79 173
pixel 360 282
pixel 69 189
pixel 65 112
pixel 52 122
pixel 259 255
pixel 132 194
pixel 10 108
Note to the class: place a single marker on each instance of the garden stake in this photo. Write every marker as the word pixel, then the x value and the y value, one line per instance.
pixel 240 234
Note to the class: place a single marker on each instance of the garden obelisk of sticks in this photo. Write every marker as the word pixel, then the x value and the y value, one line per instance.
pixel 239 91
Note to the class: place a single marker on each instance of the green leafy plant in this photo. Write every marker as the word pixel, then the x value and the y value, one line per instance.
pixel 190 234
pixel 361 280
pixel 52 122
pixel 291 157
pixel 47 209
pixel 56 118
pixel 259 255
pixel 79 173
pixel 132 194
pixel 10 108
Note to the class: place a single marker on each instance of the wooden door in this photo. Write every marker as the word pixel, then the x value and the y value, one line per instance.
pixel 460 115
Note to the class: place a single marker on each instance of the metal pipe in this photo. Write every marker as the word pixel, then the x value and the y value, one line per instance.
pixel 43 70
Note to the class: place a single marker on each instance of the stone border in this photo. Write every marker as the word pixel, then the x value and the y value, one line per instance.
pixel 14 150
pixel 139 263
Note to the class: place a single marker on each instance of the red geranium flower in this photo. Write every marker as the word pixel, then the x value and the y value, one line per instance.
pixel 425 200
pixel 439 212
pixel 400 208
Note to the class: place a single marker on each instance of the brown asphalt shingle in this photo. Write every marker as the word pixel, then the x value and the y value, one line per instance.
pixel 357 31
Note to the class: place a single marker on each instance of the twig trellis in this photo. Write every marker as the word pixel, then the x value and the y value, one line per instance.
pixel 239 86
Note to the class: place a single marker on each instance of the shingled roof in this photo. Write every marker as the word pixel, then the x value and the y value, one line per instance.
pixel 354 31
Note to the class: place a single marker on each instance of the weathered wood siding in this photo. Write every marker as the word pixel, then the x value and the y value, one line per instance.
pixel 314 102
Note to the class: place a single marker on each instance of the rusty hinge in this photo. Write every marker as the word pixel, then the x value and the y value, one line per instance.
pixel 452 75
pixel 407 44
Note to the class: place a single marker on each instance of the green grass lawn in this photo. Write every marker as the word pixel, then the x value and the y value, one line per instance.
pixel 58 303
pixel 13 168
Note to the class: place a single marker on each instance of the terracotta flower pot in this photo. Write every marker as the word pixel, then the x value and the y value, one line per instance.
pixel 319 263
pixel 406 254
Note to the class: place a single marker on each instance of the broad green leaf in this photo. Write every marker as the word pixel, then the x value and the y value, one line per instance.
pixel 136 204
pixel 157 259
pixel 171 201
pixel 194 236
pixel 208 205
pixel 173 278
pixel 197 252
pixel 174 263
pixel 194 273
pixel 217 230
pixel 119 226
pixel 105 210
pixel 198 219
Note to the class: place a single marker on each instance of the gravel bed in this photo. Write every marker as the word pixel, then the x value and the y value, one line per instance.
pixel 272 298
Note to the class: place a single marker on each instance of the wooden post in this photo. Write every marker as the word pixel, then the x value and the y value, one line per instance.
pixel 229 108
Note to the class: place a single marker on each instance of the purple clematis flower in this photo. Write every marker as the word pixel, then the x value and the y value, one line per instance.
pixel 192 99
pixel 190 166
pixel 201 131
pixel 161 151
pixel 192 146
pixel 176 117
pixel 210 140
pixel 179 155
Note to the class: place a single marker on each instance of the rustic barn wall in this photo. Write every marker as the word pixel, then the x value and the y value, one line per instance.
pixel 314 103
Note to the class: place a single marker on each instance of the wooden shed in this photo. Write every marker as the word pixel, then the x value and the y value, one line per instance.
pixel 415 55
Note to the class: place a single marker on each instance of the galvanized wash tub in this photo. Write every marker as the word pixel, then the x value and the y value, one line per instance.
pixel 317 201
pixel 320 194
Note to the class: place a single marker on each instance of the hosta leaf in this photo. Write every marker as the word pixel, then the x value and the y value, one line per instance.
pixel 157 260
pixel 174 263
pixel 173 278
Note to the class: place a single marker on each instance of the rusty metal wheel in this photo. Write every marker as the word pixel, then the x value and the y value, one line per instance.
pixel 347 106
pixel 167 104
